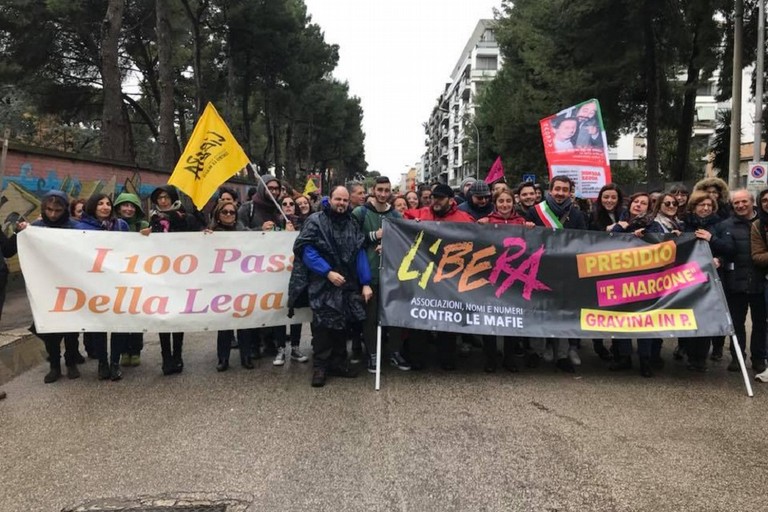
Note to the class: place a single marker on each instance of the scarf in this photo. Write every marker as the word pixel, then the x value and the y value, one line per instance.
pixel 561 210
pixel 667 223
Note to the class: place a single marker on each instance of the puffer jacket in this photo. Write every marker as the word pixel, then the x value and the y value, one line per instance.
pixel 740 272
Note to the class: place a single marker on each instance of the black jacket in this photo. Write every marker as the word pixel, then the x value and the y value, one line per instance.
pixel 740 273
pixel 338 240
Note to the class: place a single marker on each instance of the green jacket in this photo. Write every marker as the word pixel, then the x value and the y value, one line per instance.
pixel 370 221
pixel 137 222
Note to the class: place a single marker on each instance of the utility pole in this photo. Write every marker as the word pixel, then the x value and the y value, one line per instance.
pixel 735 146
pixel 757 154
pixel 4 154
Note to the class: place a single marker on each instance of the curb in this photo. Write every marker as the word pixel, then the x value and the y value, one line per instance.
pixel 19 353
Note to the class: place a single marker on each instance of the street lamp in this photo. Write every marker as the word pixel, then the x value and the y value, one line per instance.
pixel 477 135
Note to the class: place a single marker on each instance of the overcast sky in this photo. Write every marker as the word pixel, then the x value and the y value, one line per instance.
pixel 397 56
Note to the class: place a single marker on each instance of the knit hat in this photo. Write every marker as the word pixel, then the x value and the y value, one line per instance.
pixel 442 190
pixel 464 183
pixel 480 189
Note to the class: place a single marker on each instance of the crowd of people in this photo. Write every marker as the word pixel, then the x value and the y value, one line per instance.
pixel 336 270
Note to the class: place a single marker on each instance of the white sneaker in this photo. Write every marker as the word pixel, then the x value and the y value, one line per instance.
pixel 573 355
pixel 298 355
pixel 280 357
pixel 762 377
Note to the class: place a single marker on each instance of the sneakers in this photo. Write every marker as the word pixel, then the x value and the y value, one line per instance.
pixel 372 363
pixel 279 357
pixel 717 354
pixel 758 366
pixel 73 372
pixel 298 355
pixel 125 360
pixel 762 377
pixel 399 362
pixel 357 356
pixel 573 355
pixel 734 366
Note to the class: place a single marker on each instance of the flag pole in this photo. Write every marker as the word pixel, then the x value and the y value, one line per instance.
pixel 250 165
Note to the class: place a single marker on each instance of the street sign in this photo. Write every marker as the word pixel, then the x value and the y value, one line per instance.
pixel 529 177
pixel 757 178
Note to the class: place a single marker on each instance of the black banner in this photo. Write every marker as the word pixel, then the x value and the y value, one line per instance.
pixel 517 281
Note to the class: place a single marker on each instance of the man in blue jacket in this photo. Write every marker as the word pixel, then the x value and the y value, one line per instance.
pixel 336 277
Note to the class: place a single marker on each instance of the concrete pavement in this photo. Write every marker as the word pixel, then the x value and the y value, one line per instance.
pixel 428 441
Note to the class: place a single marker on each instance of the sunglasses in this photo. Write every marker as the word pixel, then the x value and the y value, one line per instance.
pixel 289 204
pixel 669 204
pixel 227 212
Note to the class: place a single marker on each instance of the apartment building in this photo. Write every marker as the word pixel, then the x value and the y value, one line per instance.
pixel 450 130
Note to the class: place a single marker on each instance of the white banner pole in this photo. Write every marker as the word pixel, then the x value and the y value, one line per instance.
pixel 740 357
pixel 378 357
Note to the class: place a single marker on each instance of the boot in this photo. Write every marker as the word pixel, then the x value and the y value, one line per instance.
pixel 168 365
pixel 222 366
pixel 104 373
pixel 621 363
pixel 246 362
pixel 318 378
pixel 645 368
pixel 73 372
pixel 114 372
pixel 53 375
pixel 178 364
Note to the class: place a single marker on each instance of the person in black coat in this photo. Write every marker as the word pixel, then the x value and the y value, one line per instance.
pixel 54 213
pixel 743 282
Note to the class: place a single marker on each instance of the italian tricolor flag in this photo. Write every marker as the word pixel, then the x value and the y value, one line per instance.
pixel 547 216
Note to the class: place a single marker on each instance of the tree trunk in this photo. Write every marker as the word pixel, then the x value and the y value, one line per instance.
pixel 685 130
pixel 115 130
pixel 653 96
pixel 246 95
pixel 183 135
pixel 197 43
pixel 290 153
pixel 165 74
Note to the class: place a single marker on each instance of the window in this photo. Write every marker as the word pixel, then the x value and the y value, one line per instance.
pixel 488 36
pixel 487 63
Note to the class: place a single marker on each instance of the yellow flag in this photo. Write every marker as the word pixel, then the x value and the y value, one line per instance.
pixel 310 186
pixel 211 157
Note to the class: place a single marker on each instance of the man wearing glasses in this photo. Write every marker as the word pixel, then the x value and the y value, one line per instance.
pixel 479 203
pixel 261 212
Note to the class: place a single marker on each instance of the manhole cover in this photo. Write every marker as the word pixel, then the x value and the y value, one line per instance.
pixel 198 508
pixel 180 502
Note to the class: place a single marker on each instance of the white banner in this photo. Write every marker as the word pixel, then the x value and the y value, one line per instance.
pixel 166 282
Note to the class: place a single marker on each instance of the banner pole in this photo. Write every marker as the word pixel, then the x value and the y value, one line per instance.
pixel 740 357
pixel 378 357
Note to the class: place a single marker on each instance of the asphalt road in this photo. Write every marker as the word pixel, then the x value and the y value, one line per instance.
pixel 428 441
